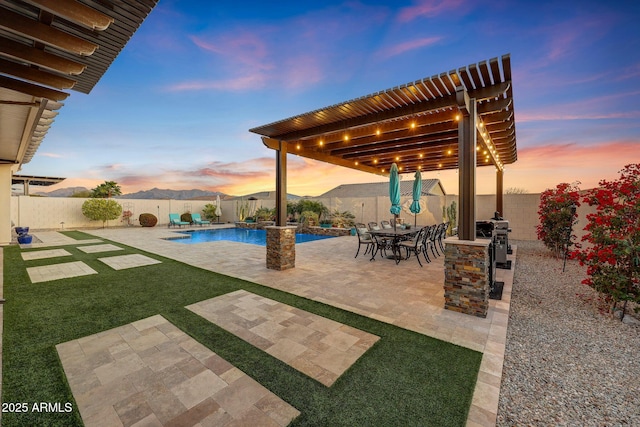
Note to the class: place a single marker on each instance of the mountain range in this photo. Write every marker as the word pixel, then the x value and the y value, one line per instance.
pixel 154 193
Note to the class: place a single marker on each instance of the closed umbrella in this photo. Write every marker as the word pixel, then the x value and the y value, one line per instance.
pixel 417 190
pixel 394 193
pixel 218 209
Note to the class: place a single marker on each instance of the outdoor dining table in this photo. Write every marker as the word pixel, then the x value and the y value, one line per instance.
pixel 396 235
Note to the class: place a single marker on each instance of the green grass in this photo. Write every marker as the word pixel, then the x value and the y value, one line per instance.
pixel 406 379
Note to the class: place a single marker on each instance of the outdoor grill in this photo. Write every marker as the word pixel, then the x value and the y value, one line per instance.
pixel 496 230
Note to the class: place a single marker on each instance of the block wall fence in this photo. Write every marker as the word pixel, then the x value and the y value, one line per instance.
pixel 49 213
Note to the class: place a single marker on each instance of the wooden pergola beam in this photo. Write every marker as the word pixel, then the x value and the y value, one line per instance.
pixel 32 89
pixel 27 27
pixel 33 74
pixel 75 11
pixel 22 52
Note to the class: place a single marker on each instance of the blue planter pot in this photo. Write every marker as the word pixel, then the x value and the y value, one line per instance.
pixel 25 239
pixel 22 230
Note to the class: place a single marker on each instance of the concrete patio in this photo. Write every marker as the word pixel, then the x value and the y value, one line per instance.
pixel 404 295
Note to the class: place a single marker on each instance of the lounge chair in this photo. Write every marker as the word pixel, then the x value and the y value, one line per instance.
pixel 195 217
pixel 174 219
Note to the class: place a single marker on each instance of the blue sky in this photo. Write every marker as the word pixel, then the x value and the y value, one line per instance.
pixel 174 109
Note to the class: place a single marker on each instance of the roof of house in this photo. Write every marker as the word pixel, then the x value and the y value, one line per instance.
pixel 373 189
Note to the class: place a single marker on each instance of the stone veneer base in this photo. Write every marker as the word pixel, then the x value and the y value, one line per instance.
pixel 281 247
pixel 466 280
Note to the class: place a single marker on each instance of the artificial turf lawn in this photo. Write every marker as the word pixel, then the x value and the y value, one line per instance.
pixel 405 379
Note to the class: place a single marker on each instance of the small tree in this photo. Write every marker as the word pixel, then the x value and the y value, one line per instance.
pixel 101 210
pixel 106 190
pixel 449 214
pixel 209 212
pixel 613 255
pixel 557 217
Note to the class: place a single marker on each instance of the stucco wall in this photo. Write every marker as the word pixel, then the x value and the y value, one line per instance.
pixel 519 209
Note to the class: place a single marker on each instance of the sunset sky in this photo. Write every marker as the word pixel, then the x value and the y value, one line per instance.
pixel 174 109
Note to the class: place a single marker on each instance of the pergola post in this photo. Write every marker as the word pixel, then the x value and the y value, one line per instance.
pixel 281 240
pixel 467 141
pixel 499 191
pixel 281 184
pixel 5 199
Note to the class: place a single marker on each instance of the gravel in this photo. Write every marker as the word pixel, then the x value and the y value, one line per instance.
pixel 566 363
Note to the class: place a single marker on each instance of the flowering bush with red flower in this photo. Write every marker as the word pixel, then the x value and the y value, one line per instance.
pixel 557 218
pixel 613 232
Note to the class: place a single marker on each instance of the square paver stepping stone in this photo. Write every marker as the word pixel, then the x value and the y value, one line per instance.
pixel 47 253
pixel 107 247
pixel 65 270
pixel 128 261
pixel 316 346
pixel 151 373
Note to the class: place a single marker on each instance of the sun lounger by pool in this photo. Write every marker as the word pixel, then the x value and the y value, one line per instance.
pixel 195 217
pixel 174 219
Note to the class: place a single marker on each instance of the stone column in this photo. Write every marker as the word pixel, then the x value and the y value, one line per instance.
pixel 281 247
pixel 466 276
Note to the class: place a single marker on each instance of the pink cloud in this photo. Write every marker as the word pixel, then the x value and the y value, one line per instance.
pixel 427 8
pixel 408 45
pixel 51 155
pixel 252 81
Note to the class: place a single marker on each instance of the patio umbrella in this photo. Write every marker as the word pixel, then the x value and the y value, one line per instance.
pixel 417 190
pixel 218 209
pixel 394 192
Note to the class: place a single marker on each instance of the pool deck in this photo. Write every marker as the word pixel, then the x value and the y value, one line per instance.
pixel 404 295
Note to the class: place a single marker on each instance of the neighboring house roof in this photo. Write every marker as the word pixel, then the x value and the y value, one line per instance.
pixel 430 187
pixel 262 195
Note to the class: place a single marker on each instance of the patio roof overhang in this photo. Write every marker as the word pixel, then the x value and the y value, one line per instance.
pixel 48 47
pixel 458 119
pixel 414 125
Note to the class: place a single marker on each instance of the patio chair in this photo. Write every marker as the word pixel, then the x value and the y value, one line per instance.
pixel 195 217
pixel 373 226
pixel 174 219
pixel 364 238
pixel 386 225
pixel 415 245
pixel 442 235
pixel 380 244
pixel 433 239
pixel 427 241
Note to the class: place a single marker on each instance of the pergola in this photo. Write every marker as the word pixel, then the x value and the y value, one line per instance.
pixel 458 119
pixel 46 48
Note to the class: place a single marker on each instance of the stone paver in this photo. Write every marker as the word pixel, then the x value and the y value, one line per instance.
pixel 123 262
pixel 65 270
pixel 151 373
pixel 53 238
pixel 318 347
pixel 42 254
pixel 107 247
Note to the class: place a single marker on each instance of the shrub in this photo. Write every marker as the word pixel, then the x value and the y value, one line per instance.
pixel 147 220
pixel 101 210
pixel 209 212
pixel 613 255
pixel 309 218
pixel 186 217
pixel 343 219
pixel 557 217
pixel 265 214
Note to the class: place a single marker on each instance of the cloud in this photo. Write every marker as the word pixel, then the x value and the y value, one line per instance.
pixel 401 48
pixel 51 155
pixel 428 9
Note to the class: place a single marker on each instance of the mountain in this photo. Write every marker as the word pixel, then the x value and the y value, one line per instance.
pixel 157 193
pixel 62 192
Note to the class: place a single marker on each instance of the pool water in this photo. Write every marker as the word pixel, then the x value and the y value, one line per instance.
pixel 254 237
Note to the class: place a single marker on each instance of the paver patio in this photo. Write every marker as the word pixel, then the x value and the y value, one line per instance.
pixel 405 295
pixel 92 249
pixel 318 347
pixel 43 254
pixel 150 373
pixel 65 270
pixel 123 262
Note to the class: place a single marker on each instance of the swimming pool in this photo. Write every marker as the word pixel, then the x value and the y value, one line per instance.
pixel 254 237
